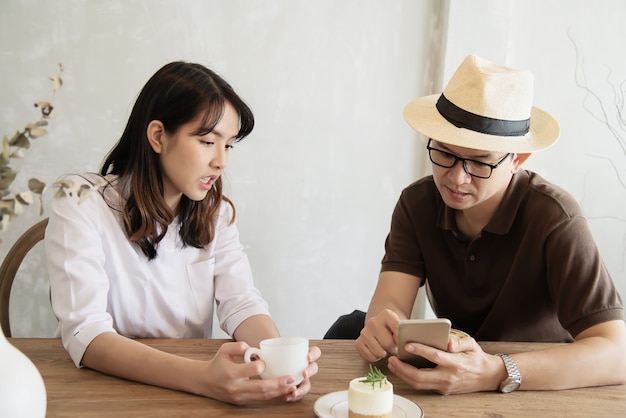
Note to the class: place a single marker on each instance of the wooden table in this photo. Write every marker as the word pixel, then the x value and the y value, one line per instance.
pixel 76 392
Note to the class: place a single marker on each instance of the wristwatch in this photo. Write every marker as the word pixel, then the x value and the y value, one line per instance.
pixel 514 380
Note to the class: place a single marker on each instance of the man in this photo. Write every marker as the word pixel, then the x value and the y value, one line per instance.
pixel 501 252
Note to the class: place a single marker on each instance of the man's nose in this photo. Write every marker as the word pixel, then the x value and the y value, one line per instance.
pixel 459 172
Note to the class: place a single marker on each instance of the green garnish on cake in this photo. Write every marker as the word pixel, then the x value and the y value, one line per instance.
pixel 375 376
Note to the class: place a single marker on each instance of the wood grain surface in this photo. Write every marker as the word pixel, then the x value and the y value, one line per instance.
pixel 76 392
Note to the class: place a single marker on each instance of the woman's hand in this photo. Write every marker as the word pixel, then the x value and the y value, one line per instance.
pixel 227 379
pixel 305 386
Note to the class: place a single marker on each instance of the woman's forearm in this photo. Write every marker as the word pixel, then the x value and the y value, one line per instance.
pixel 123 357
pixel 255 329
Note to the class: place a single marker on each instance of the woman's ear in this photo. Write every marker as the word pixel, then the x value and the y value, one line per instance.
pixel 155 132
pixel 520 159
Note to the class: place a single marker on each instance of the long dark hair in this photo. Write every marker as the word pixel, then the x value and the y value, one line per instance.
pixel 175 94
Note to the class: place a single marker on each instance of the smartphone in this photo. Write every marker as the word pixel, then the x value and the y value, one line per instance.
pixel 432 332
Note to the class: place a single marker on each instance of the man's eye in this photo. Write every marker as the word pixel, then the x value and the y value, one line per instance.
pixel 479 164
pixel 229 147
pixel 447 155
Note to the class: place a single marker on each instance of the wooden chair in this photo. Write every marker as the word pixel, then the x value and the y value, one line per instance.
pixel 11 264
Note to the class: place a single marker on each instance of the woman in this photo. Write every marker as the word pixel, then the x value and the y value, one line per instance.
pixel 145 248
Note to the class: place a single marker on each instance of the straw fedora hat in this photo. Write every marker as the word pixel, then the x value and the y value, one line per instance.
pixel 487 107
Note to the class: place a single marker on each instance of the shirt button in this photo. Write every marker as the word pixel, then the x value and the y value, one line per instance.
pixel 472 257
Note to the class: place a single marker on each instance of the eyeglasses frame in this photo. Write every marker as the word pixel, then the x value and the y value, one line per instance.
pixel 464 161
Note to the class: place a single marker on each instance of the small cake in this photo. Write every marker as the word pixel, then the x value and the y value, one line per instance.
pixel 455 333
pixel 370 396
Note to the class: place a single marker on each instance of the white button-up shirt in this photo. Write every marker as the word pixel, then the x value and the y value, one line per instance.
pixel 101 282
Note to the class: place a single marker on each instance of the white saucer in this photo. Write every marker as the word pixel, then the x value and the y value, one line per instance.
pixel 335 405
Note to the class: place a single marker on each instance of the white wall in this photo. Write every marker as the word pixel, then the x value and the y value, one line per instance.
pixel 315 183
pixel 317 180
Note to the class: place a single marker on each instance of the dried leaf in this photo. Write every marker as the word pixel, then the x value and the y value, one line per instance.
pixel 18 208
pixel 83 193
pixel 36 186
pixel 6 212
pixel 46 108
pixel 60 193
pixel 6 178
pixel 65 184
pixel 6 206
pixel 25 198
pixel 56 81
pixel 37 132
pixel 4 222
pixel 20 140
pixel 100 185
pixel 43 104
pixel 6 149
pixel 15 137
pixel 18 153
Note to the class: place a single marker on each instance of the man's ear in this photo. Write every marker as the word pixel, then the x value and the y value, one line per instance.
pixel 155 132
pixel 519 160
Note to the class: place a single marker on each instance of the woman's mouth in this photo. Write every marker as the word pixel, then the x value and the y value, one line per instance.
pixel 207 182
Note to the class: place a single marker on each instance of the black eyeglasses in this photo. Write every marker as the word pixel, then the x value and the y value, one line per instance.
pixel 472 167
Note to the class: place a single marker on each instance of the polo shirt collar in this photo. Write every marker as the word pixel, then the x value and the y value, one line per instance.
pixel 505 214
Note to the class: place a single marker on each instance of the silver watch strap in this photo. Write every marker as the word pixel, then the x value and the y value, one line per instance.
pixel 511 367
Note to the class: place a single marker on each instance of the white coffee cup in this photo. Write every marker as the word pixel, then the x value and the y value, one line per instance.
pixel 282 356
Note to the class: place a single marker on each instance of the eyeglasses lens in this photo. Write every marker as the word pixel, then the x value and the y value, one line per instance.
pixel 447 160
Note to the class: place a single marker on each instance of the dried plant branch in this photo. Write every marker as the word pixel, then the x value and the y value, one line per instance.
pixel 13 205
pixel 616 127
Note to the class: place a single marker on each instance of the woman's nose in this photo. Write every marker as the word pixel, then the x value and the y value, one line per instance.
pixel 219 159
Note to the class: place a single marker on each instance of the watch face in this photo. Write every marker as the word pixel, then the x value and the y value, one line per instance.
pixel 509 385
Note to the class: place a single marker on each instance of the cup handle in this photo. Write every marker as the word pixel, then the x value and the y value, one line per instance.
pixel 251 352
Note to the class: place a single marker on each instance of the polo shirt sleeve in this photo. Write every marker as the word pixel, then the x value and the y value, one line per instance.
pixel 236 296
pixel 403 252
pixel 581 286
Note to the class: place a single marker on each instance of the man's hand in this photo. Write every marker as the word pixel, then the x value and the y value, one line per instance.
pixel 379 337
pixel 464 368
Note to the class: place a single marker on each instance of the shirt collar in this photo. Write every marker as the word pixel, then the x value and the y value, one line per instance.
pixel 504 216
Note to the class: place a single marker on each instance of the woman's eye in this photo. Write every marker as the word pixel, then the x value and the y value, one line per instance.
pixel 229 147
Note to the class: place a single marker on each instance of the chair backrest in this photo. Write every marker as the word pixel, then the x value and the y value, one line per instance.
pixel 11 265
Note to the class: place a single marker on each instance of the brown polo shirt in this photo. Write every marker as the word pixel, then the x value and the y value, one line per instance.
pixel 533 274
